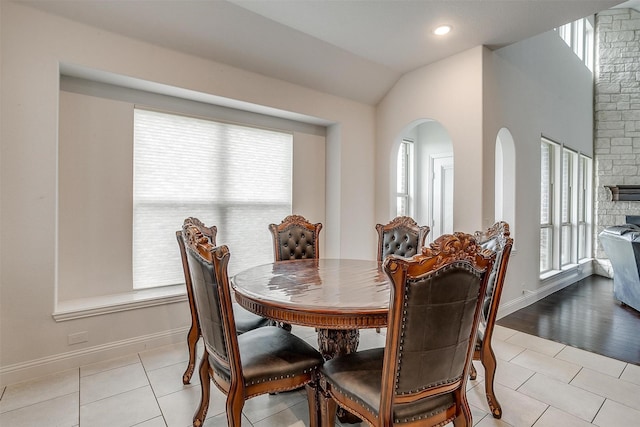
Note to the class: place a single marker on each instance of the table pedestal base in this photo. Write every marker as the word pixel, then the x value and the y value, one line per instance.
pixel 338 342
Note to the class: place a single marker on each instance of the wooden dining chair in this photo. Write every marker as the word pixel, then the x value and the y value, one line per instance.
pixel 245 320
pixel 402 236
pixel 498 239
pixel 260 361
pixel 419 377
pixel 295 238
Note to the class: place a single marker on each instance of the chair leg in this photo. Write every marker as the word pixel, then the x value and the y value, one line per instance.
pixel 463 417
pixel 192 341
pixel 235 403
pixel 473 374
pixel 328 409
pixel 378 330
pixel 205 390
pixel 488 359
pixel 314 404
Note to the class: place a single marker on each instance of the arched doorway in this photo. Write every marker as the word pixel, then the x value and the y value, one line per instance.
pixel 424 176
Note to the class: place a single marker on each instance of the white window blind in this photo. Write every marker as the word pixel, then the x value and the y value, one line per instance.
pixel 235 177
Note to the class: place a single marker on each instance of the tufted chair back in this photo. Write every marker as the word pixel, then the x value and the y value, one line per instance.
pixel 295 238
pixel 402 237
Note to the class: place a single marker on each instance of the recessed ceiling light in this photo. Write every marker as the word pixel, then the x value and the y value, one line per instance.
pixel 442 30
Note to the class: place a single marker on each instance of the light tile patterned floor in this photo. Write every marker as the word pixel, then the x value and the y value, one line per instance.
pixel 539 383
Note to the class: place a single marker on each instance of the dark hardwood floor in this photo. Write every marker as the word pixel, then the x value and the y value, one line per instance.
pixel 584 315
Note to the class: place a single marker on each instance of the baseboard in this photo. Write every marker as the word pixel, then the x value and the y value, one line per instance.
pixel 548 286
pixel 74 359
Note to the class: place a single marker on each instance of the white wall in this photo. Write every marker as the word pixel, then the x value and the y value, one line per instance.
pixel 450 92
pixel 33 45
pixel 535 87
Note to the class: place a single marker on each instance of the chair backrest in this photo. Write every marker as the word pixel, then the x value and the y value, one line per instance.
pixel 402 236
pixel 498 239
pixel 208 233
pixel 212 294
pixel 295 238
pixel 434 312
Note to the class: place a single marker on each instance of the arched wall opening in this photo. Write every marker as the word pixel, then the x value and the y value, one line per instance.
pixel 505 179
pixel 422 176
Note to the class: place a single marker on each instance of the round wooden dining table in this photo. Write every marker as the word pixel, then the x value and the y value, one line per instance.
pixel 336 296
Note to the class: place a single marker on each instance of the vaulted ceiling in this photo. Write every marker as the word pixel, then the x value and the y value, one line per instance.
pixel 351 48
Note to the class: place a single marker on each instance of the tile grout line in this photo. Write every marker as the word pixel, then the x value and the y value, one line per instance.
pixel 155 396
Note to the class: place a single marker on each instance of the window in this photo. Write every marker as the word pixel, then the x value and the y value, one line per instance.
pixel 565 215
pixel 568 191
pixel 579 36
pixel 404 199
pixel 584 207
pixel 546 205
pixel 232 176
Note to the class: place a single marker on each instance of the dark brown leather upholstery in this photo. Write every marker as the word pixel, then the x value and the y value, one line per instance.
pixel 263 360
pixel 402 236
pixel 295 238
pixel 245 320
pixel 496 238
pixel 419 377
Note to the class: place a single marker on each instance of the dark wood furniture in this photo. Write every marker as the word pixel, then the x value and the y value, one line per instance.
pixel 336 296
pixel 419 377
pixel 496 238
pixel 401 236
pixel 295 238
pixel 245 321
pixel 264 360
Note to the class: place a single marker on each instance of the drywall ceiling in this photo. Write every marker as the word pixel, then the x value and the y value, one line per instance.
pixel 354 49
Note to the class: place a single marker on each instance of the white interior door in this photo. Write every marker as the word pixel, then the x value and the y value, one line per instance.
pixel 441 195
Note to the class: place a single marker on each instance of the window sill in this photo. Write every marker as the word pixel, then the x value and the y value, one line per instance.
pixel 567 269
pixel 97 306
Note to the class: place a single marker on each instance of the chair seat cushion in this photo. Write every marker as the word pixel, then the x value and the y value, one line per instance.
pixel 270 353
pixel 246 320
pixel 359 377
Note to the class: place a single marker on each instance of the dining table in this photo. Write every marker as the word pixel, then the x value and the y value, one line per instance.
pixel 338 297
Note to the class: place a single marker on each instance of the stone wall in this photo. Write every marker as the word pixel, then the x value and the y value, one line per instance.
pixel 617 118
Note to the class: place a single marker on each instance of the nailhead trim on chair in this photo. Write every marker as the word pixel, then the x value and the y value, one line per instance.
pixel 438 272
pixel 276 378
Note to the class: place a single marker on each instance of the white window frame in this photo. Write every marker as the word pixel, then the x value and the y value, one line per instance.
pixel 547 192
pixel 569 201
pixel 193 166
pixel 584 211
pixel 405 186
pixel 568 207
pixel 579 36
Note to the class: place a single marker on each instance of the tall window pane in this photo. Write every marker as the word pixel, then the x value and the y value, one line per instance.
pixel 546 204
pixel 235 177
pixel 584 210
pixel 566 206
pixel 403 180
pixel 545 183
